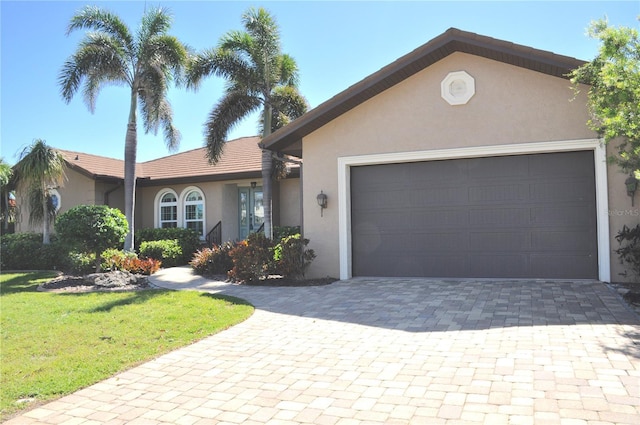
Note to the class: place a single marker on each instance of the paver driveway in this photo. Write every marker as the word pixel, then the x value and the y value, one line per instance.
pixel 383 351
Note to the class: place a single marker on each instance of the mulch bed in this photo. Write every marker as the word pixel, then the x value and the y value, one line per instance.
pixel 75 284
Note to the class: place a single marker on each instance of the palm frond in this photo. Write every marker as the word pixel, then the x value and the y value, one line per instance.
pixel 41 165
pixel 99 58
pixel 93 17
pixel 289 73
pixel 230 110
pixel 155 21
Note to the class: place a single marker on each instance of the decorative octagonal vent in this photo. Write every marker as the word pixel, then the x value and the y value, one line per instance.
pixel 457 88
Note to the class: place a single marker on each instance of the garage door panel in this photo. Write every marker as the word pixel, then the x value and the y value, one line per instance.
pixel 566 215
pixel 561 191
pixel 501 265
pixel 511 216
pixel 559 266
pixel 505 217
pixel 561 240
pixel 438 218
pixel 491 193
pixel 558 165
pixel 499 241
pixel 499 168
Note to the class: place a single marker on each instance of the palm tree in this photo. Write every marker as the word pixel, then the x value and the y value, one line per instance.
pixel 146 62
pixel 40 169
pixel 258 76
pixel 6 172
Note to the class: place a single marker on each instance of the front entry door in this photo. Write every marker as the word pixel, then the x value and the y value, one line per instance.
pixel 250 209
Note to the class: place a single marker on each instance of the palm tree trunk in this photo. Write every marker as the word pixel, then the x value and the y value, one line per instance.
pixel 46 239
pixel 267 164
pixel 130 151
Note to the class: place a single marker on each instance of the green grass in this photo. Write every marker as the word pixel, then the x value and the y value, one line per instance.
pixel 55 344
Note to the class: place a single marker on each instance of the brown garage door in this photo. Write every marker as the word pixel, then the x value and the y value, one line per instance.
pixel 525 216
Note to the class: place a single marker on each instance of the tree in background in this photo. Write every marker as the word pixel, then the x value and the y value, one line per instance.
pixel 614 92
pixel 40 169
pixel 146 62
pixel 259 76
pixel 5 209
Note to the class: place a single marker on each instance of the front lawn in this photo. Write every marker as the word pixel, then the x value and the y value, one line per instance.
pixel 55 344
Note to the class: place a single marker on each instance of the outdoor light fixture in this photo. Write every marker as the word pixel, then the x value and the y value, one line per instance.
pixel 632 186
pixel 253 185
pixel 322 201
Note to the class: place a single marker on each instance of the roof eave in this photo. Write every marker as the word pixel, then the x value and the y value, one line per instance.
pixel 289 138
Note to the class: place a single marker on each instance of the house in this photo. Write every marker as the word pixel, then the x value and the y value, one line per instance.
pixel 223 202
pixel 469 157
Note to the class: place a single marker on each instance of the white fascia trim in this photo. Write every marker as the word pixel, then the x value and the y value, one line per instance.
pixel 596 145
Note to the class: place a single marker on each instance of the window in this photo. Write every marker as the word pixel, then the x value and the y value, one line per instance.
pixel 56 201
pixel 186 210
pixel 194 211
pixel 168 210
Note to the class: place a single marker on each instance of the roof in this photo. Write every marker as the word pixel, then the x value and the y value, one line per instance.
pixel 289 138
pixel 240 158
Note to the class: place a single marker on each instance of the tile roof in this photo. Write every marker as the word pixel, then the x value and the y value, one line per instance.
pixel 289 138
pixel 240 157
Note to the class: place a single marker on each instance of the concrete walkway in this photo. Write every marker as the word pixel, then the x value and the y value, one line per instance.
pixel 386 351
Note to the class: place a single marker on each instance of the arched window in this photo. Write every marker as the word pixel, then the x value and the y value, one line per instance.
pixel 168 210
pixel 56 200
pixel 194 211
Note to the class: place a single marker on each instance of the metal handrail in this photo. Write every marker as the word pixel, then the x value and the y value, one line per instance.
pixel 214 237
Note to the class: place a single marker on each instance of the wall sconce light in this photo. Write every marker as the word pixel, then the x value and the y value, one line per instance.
pixel 632 185
pixel 322 201
pixel 253 185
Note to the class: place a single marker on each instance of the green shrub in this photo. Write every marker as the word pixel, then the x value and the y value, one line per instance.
pixel 629 251
pixel 79 263
pixel 167 250
pixel 292 257
pixel 18 251
pixel 25 251
pixel 213 261
pixel 252 258
pixel 188 240
pixel 280 232
pixel 92 228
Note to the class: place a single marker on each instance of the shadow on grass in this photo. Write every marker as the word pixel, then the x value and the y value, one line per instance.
pixel 143 296
pixel 24 281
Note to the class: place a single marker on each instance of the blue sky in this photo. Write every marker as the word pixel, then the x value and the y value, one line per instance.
pixel 336 44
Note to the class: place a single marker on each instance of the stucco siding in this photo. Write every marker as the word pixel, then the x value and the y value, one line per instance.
pixel 221 203
pixel 76 189
pixel 290 202
pixel 620 212
pixel 511 106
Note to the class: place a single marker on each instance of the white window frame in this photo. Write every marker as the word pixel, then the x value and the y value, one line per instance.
pixel 184 203
pixel 54 192
pixel 157 222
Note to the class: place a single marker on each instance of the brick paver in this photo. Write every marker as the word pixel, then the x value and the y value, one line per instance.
pixel 387 351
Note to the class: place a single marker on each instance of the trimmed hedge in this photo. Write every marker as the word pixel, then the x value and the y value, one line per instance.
pixel 188 240
pixel 167 251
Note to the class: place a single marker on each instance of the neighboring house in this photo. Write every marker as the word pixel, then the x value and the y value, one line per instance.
pixel 182 190
pixel 468 158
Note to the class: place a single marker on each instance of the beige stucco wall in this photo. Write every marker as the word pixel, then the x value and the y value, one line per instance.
pixel 290 202
pixel 511 105
pixel 221 203
pixel 76 189
pixel 620 212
